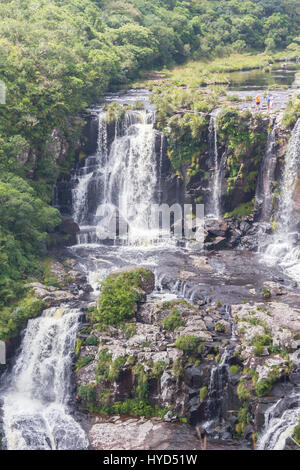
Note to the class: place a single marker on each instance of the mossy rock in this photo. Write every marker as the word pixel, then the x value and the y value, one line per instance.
pixel 121 293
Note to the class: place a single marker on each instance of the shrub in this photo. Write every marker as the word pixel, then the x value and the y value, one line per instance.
pixel 243 392
pixel 173 321
pixel 115 368
pixel 120 295
pixel 234 370
pixel 187 344
pixel 263 387
pixel 84 361
pixel 13 319
pixel 87 392
pixel 103 366
pixel 92 341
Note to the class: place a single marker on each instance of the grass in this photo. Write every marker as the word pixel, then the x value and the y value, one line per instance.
pixel 212 72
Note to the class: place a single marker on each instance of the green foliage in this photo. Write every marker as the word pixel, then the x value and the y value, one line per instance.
pixel 137 408
pixel 234 370
pixel 220 327
pixel 24 220
pixel 78 345
pixel 266 294
pixel 87 392
pixel 129 330
pixel 158 369
pixel 84 361
pixel 173 321
pixel 243 392
pixel 203 393
pixel 188 344
pixel 120 295
pixel 15 317
pixel 91 341
pixel 263 387
pixel 178 369
pixel 103 366
pixel 296 433
pixel 241 211
pixel 115 368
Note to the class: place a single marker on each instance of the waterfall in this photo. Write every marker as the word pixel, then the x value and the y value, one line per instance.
pixel 281 418
pixel 219 167
pixel 264 189
pixel 124 176
pixel 292 161
pixel 284 249
pixel 280 421
pixel 36 411
pixel 218 383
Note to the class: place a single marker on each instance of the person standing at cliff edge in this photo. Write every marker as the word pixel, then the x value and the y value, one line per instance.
pixel 257 99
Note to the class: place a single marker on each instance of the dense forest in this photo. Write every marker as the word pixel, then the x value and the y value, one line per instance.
pixel 59 56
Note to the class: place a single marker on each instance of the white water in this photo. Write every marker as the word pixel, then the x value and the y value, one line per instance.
pixel 216 187
pixel 284 249
pixel 280 422
pixel 264 190
pixel 125 176
pixel 282 417
pixel 36 413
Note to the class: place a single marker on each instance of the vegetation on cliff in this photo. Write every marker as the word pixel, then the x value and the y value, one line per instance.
pixel 120 295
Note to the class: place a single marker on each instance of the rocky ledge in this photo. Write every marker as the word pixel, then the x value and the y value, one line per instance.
pixel 171 364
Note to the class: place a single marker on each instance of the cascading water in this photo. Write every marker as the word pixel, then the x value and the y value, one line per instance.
pixel 266 177
pixel 124 176
pixel 36 410
pixel 218 384
pixel 219 168
pixel 284 249
pixel 280 422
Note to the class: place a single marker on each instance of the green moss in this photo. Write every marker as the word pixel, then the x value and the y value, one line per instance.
pixel 203 393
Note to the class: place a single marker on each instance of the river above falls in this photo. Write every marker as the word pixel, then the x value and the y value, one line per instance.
pixel 260 79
